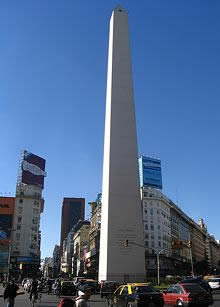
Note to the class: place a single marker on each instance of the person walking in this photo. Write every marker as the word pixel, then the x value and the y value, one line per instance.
pixel 84 293
pixel 10 293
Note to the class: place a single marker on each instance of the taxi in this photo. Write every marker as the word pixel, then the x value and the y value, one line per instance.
pixel 135 295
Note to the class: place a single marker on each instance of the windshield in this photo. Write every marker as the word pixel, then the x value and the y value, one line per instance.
pixel 142 289
pixel 194 289
pixel 214 280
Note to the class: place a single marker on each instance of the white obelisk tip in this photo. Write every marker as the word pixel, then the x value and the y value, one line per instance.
pixel 119 8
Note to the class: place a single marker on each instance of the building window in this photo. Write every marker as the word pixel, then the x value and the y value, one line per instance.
pixel 158 211
pixel 152 236
pixel 146 243
pixel 20 201
pixel 158 227
pixel 151 211
pixel 18 227
pixel 146 227
pixel 159 243
pixel 17 236
pixel 34 228
pixel 35 220
pixel 152 227
pixel 20 209
pixel 34 238
pixel 146 236
pixel 36 203
pixel 19 219
pixel 152 243
pixel 145 211
pixel 21 192
pixel 36 211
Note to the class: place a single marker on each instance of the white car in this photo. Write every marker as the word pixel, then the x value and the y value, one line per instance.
pixel 27 284
pixel 214 283
pixel 23 282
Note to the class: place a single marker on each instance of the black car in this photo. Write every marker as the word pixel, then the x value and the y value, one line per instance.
pixel 135 295
pixel 108 287
pixel 68 288
pixel 198 281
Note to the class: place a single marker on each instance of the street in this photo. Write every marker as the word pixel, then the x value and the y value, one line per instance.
pixel 52 301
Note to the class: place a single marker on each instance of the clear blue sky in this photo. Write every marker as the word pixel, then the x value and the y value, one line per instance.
pixel 52 96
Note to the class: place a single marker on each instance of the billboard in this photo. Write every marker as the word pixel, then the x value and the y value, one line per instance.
pixel 6 217
pixel 3 258
pixel 32 169
pixel 150 172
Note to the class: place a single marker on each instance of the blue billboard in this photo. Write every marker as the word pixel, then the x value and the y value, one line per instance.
pixel 150 172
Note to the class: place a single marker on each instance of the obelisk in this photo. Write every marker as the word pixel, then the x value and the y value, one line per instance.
pixel 121 203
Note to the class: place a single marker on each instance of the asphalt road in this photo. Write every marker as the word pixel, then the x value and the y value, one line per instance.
pixel 52 301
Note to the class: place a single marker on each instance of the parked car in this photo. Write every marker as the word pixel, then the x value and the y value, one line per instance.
pixel 188 294
pixel 108 287
pixel 214 283
pixel 135 295
pixel 198 281
pixel 68 287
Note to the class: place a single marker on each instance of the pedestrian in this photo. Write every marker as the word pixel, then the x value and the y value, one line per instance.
pixel 10 293
pixel 84 295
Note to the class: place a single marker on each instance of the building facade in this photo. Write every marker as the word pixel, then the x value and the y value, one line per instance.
pixel 29 204
pixel 80 243
pixel 92 256
pixel 7 205
pixel 168 230
pixel 73 210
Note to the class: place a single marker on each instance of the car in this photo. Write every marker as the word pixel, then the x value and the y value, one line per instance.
pixel 135 295
pixel 93 284
pixel 108 287
pixel 214 283
pixel 23 282
pixel 27 285
pixel 188 294
pixel 68 287
pixel 198 281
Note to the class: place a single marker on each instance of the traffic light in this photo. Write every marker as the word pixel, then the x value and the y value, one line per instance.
pixel 176 244
pixel 126 243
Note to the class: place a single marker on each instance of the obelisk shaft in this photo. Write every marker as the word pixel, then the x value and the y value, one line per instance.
pixel 121 204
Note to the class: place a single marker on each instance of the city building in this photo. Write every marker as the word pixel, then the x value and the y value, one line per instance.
pixel 48 267
pixel 66 258
pixel 56 261
pixel 7 205
pixel 80 243
pixel 29 204
pixel 92 256
pixel 73 210
pixel 185 246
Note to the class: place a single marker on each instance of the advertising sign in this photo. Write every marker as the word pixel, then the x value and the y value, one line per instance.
pixel 5 228
pixel 33 169
pixel 6 217
pixel 3 258
pixel 150 172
